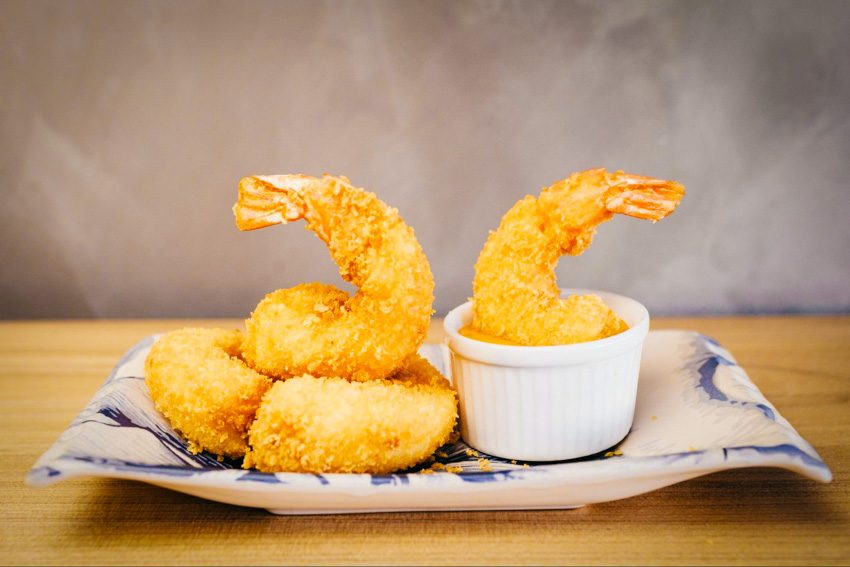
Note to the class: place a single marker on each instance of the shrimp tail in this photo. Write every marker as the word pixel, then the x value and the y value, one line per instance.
pixel 266 200
pixel 643 197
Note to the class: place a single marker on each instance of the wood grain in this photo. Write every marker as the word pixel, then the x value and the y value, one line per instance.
pixel 49 370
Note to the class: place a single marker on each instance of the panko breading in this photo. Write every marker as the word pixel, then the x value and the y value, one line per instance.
pixel 355 396
pixel 331 425
pixel 515 294
pixel 321 330
pixel 199 384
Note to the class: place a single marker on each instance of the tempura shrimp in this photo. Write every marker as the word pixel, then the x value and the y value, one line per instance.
pixel 319 329
pixel 515 294
pixel 330 425
pixel 198 382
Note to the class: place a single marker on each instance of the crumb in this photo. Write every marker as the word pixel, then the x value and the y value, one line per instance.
pixel 513 462
pixel 654 417
pixel 430 459
pixel 219 458
pixel 525 466
pixel 692 449
pixel 471 453
pixel 426 471
pixel 609 454
pixel 453 469
pixel 438 466
pixel 484 464
pixel 442 455
pixel 617 453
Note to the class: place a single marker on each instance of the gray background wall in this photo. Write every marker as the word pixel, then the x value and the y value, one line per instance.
pixel 126 126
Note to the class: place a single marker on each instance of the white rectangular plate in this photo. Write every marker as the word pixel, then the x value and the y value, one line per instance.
pixel 697 412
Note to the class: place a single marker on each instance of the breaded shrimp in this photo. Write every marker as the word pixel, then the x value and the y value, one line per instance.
pixel 199 384
pixel 515 295
pixel 319 329
pixel 331 425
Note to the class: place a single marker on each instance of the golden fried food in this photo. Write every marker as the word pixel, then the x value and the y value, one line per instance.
pixel 355 396
pixel 318 329
pixel 515 295
pixel 199 384
pixel 331 425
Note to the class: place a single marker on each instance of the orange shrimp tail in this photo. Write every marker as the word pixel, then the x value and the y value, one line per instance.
pixel 643 197
pixel 269 200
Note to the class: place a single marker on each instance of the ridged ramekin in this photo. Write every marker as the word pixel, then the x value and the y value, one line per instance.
pixel 548 403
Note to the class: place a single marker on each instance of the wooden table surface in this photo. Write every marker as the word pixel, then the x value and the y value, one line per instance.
pixel 49 370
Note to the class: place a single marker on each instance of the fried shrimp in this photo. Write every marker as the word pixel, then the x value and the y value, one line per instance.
pixel 331 425
pixel 319 329
pixel 515 295
pixel 198 382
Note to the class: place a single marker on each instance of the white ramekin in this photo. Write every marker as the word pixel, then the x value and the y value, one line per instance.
pixel 548 403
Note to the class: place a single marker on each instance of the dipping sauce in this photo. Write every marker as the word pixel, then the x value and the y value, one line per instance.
pixel 468 331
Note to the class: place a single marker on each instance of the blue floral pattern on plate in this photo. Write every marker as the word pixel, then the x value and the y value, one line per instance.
pixel 697 412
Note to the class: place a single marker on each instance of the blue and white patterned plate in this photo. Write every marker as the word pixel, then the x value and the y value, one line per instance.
pixel 697 413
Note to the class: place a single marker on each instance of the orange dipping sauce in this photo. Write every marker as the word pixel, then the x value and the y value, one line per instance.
pixel 469 332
